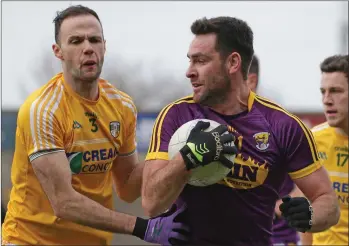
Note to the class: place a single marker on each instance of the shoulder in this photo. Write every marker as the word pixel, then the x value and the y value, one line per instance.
pixel 118 98
pixel 179 105
pixel 276 115
pixel 43 103
pixel 322 131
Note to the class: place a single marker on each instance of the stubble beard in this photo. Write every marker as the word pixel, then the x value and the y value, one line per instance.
pixel 79 74
pixel 216 95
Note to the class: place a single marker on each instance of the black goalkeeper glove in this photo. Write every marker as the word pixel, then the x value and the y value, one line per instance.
pixel 203 148
pixel 298 212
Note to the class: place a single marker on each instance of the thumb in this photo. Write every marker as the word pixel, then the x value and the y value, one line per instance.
pixel 286 198
pixel 201 125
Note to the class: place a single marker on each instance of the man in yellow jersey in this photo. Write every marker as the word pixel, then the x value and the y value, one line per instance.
pixel 75 136
pixel 332 141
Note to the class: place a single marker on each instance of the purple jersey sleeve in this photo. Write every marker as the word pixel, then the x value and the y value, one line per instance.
pixel 163 129
pixel 299 147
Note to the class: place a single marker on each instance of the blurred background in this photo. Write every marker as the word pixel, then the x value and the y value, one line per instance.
pixel 147 43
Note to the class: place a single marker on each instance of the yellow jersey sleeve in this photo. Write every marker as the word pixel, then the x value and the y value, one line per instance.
pixel 333 152
pixel 38 123
pixel 130 134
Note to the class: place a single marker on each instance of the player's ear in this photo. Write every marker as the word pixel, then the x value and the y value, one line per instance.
pixel 234 62
pixel 57 51
pixel 252 81
pixel 105 46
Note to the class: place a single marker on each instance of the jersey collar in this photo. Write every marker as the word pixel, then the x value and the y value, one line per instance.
pixel 250 100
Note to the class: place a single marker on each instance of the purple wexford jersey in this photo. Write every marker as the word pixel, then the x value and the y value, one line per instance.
pixel 239 209
pixel 282 233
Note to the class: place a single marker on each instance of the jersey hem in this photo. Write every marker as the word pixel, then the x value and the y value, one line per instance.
pixel 40 153
pixel 157 156
pixel 128 154
pixel 305 171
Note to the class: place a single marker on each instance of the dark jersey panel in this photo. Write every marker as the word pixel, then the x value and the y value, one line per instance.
pixel 239 210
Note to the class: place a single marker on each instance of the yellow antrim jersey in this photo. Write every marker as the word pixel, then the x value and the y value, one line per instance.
pixel 92 134
pixel 333 150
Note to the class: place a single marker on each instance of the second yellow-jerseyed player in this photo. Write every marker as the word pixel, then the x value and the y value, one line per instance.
pixel 92 133
pixel 333 150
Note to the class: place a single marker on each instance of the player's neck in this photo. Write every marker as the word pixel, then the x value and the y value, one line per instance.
pixel 343 130
pixel 87 90
pixel 236 102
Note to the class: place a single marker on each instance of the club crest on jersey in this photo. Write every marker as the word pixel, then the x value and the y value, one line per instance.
pixel 262 140
pixel 114 128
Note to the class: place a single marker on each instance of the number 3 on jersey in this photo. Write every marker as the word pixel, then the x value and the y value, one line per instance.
pixel 94 125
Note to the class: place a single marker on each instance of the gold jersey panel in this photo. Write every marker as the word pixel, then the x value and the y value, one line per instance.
pixel 91 134
pixel 333 151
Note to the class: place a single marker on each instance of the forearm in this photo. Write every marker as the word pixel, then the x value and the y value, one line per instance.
pixel 306 238
pixel 326 212
pixel 131 190
pixel 165 185
pixel 82 210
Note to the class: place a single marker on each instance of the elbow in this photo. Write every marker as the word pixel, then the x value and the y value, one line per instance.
pixel 59 209
pixel 128 198
pixel 337 215
pixel 62 205
pixel 150 207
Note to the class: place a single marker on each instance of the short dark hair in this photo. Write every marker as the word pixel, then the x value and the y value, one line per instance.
pixel 254 68
pixel 74 10
pixel 336 63
pixel 233 35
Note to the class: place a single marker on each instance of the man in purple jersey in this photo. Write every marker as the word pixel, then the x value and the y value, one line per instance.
pixel 282 233
pixel 272 145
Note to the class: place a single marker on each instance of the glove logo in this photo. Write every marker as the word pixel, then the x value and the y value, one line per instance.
pixel 156 231
pixel 219 146
pixel 198 150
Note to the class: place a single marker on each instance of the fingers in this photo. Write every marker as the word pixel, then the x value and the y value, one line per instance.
pixel 286 198
pixel 297 216
pixel 294 205
pixel 298 209
pixel 175 241
pixel 201 125
pixel 220 129
pixel 180 234
pixel 300 225
pixel 295 201
pixel 284 206
pixel 181 209
pixel 230 150
pixel 225 162
pixel 181 228
pixel 227 138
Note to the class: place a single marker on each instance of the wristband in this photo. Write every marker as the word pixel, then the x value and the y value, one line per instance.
pixel 188 158
pixel 140 228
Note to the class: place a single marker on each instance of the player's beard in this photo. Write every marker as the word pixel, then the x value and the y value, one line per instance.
pixel 216 92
